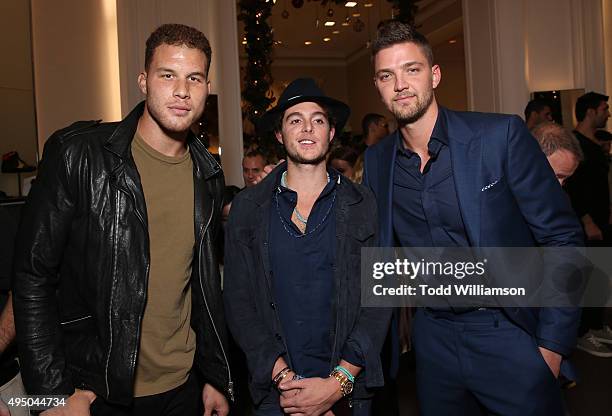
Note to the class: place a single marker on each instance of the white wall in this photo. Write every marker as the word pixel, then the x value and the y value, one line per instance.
pixel 520 46
pixel 76 69
pixel 363 96
pixel 17 115
pixel 607 16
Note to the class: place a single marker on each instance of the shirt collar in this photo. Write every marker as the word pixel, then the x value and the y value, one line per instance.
pixel 439 136
pixel 334 180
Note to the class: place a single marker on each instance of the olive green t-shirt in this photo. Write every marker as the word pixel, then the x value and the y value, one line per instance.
pixel 167 342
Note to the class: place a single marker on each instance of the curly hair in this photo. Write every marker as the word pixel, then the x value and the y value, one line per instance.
pixel 176 35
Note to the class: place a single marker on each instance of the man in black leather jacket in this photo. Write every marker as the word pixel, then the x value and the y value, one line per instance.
pixel 116 283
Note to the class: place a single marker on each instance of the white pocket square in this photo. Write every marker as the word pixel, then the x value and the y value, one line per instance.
pixel 489 186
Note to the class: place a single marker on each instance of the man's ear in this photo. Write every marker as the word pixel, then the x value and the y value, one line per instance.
pixel 332 131
pixel 436 75
pixel 142 82
pixel 591 112
pixel 279 136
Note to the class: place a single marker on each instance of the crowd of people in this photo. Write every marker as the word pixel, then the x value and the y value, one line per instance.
pixel 118 301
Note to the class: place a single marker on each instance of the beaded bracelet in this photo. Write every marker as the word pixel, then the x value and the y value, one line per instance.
pixel 346 373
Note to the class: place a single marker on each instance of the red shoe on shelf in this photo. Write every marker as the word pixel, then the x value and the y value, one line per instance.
pixel 12 163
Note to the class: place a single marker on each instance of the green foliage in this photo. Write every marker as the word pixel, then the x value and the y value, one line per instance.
pixel 260 42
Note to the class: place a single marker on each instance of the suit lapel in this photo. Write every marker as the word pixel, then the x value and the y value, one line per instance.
pixel 466 158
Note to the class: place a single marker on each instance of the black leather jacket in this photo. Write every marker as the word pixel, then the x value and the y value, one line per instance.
pixel 82 262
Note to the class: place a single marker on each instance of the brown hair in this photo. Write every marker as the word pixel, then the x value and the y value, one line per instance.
pixel 393 32
pixel 176 35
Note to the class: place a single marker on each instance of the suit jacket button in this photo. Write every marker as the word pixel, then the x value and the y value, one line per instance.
pixel 278 337
pixel 273 305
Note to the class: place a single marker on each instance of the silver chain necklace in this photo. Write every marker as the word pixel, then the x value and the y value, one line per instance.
pixel 297 214
pixel 300 217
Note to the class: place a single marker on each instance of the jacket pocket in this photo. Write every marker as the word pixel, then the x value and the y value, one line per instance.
pixel 360 232
pixel 495 188
pixel 82 346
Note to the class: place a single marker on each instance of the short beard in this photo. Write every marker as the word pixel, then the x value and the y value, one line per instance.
pixel 417 113
pixel 602 124
pixel 297 159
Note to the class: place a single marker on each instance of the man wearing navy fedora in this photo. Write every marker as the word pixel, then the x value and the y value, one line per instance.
pixel 292 289
pixel 459 179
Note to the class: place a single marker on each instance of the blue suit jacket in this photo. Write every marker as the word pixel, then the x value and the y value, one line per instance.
pixel 523 205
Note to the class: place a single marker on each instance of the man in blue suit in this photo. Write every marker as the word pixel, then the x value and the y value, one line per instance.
pixel 453 179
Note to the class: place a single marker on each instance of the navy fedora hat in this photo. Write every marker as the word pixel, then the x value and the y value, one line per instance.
pixel 304 90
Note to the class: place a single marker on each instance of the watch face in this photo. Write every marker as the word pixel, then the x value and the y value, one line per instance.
pixel 348 388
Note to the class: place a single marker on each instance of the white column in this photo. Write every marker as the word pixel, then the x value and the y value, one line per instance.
pixel 228 87
pixel 607 26
pixel 74 49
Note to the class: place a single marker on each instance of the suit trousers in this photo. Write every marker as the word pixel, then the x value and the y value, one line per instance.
pixel 480 363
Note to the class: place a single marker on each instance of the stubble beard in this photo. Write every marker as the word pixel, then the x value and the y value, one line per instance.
pixel 296 158
pixel 602 123
pixel 413 114
pixel 167 123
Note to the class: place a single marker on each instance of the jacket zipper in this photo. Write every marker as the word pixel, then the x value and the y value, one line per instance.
pixel 146 284
pixel 230 386
pixel 110 323
pixel 110 303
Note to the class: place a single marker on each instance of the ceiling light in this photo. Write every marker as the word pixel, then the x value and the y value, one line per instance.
pixel 452 41
pixel 368 4
pixel 330 23
pixel 244 42
pixel 335 32
pixel 326 39
pixel 350 4
pixel 356 14
pixel 346 23
pixel 308 43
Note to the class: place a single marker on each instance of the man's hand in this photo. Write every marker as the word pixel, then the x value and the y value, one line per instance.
pixel 77 405
pixel 553 360
pixel 278 366
pixel 215 402
pixel 312 397
pixel 591 230
pixel 4 410
pixel 266 170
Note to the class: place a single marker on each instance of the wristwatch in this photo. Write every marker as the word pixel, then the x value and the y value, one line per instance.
pixel 346 386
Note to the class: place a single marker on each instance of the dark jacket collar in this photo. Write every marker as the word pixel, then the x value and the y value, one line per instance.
pixel 121 139
pixel 262 193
